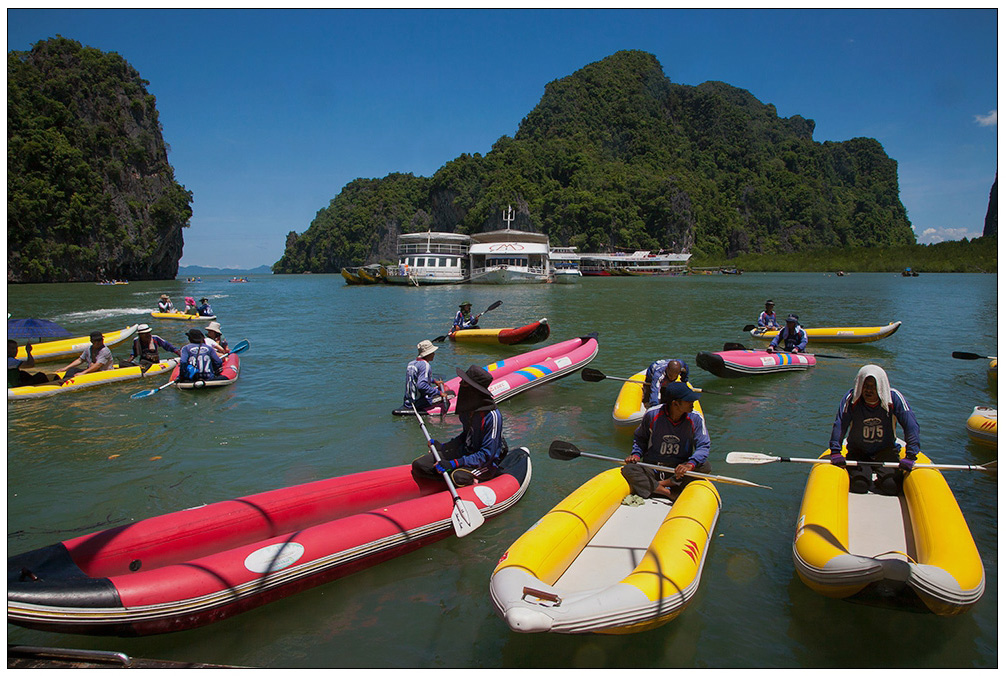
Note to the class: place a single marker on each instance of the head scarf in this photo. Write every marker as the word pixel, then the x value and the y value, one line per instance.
pixel 883 386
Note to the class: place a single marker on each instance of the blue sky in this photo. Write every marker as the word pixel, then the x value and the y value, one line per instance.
pixel 269 113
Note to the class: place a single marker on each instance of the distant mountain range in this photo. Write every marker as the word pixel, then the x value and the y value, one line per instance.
pixel 190 270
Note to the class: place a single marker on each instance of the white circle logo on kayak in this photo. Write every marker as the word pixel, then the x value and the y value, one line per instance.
pixel 274 557
pixel 486 495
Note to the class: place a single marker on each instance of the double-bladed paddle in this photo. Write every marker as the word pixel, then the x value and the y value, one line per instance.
pixel 564 450
pixel 466 516
pixel 745 458
pixel 595 376
pixel 240 347
pixel 440 339
pixel 968 355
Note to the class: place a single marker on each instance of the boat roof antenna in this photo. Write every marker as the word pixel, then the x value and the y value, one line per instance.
pixel 508 216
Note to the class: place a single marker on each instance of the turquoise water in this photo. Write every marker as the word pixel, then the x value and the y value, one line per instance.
pixel 327 366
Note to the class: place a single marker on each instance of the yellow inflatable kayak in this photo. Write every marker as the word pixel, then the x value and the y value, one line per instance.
pixel 993 370
pixel 79 382
pixel 629 408
pixel 912 550
pixel 595 565
pixel 70 348
pixel 182 316
pixel 841 334
pixel 983 426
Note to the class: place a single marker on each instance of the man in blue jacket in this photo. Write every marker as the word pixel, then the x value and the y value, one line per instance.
pixel 658 374
pixel 792 337
pixel 199 361
pixel 674 436
pixel 868 412
pixel 422 388
pixel 474 454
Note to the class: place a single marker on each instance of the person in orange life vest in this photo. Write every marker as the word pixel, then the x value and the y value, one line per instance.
pixel 672 435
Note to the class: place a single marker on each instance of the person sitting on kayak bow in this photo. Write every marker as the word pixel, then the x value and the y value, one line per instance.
pixel 199 361
pixel 868 413
pixel 204 308
pixel 464 319
pixel 421 387
pixel 673 435
pixel 474 454
pixel 766 320
pixel 658 374
pixel 792 337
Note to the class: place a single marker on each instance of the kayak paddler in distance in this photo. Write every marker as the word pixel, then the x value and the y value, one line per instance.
pixel 464 319
pixel 164 304
pixel 766 319
pixel 792 337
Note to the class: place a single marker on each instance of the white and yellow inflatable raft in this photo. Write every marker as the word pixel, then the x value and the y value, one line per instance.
pixel 837 334
pixel 79 382
pixel 983 426
pixel 913 550
pixel 594 564
pixel 629 407
pixel 70 348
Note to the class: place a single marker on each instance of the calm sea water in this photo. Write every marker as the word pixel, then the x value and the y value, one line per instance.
pixel 326 367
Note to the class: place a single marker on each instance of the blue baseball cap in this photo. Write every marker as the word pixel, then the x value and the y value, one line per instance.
pixel 792 318
pixel 677 392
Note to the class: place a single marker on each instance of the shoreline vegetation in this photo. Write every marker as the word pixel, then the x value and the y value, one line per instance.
pixel 977 255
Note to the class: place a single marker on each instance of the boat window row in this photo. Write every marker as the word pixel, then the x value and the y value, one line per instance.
pixel 426 248
pixel 430 262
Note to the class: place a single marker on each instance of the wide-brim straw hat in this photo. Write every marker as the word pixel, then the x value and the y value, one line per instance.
pixel 426 348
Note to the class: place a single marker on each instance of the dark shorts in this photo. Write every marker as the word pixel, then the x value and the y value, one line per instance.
pixel 643 480
pixel 888 480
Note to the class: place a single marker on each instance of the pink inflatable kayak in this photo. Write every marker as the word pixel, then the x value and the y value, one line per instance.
pixel 523 371
pixel 738 363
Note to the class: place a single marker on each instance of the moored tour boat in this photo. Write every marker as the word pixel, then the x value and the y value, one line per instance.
pixel 66 348
pixel 203 564
pixel 521 372
pixel 739 363
pixel 983 426
pixel 913 550
pixel 79 382
pixel 229 371
pixel 594 564
pixel 840 334
pixel 182 316
pixel 535 332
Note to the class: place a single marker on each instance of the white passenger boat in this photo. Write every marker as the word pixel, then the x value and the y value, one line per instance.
pixel 509 257
pixel 430 258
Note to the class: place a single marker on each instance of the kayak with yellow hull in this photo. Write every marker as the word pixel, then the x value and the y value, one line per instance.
pixel 113 375
pixel 182 316
pixel 535 332
pixel 595 565
pixel 839 334
pixel 983 426
pixel 629 407
pixel 67 348
pixel 910 551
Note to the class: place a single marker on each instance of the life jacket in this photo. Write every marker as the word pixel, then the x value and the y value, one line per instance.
pixel 871 428
pixel 149 353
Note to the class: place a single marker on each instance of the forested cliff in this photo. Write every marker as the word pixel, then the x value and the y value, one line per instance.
pixel 616 155
pixel 90 191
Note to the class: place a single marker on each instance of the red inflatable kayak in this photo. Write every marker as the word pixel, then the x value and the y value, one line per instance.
pixel 535 332
pixel 200 565
pixel 230 371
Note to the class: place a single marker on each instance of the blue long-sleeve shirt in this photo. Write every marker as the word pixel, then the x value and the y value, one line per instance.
pixel 767 319
pixel 871 428
pixel 654 379
pixel 798 339
pixel 481 440
pixel 658 440
pixel 419 386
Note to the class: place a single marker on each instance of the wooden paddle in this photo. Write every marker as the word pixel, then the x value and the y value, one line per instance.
pixel 744 458
pixel 466 516
pixel 240 347
pixel 563 450
pixel 595 376
pixel 968 355
pixel 440 339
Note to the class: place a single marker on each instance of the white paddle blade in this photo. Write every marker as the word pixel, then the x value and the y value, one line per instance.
pixel 466 517
pixel 743 458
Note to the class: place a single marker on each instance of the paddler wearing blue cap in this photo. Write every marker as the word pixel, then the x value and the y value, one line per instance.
pixel 792 337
